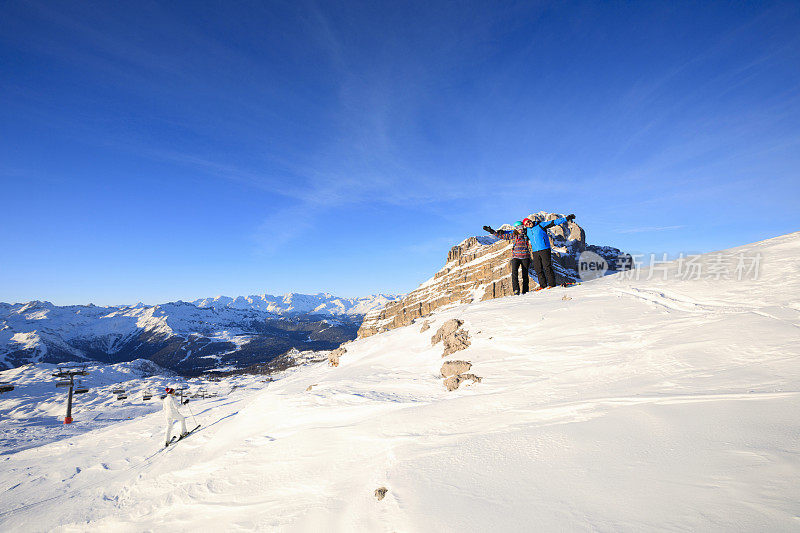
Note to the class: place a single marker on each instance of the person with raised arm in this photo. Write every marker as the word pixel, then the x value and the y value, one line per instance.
pixel 541 253
pixel 520 253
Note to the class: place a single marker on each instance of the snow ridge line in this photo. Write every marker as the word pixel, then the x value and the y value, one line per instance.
pixel 677 303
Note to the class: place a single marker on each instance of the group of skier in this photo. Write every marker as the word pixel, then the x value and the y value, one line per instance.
pixel 531 247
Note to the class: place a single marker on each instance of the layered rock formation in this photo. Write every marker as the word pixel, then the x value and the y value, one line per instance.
pixel 478 269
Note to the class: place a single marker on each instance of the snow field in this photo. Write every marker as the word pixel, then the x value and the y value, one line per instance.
pixel 634 405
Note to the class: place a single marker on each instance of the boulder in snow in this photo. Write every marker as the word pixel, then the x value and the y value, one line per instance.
pixel 453 382
pixel 455 342
pixel 453 338
pixel 453 368
pixel 448 328
pixel 380 493
pixel 333 357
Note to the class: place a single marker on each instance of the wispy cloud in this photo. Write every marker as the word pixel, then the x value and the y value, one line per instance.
pixel 359 155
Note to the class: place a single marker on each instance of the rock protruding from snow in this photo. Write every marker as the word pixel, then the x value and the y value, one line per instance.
pixel 455 374
pixel 453 338
pixel 458 341
pixel 333 357
pixel 380 493
pixel 448 328
pixel 453 368
pixel 453 382
pixel 425 326
pixel 478 269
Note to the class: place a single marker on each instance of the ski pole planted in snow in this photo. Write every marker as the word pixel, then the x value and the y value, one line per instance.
pixel 191 413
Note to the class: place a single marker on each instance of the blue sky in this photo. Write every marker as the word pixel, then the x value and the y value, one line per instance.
pixel 162 151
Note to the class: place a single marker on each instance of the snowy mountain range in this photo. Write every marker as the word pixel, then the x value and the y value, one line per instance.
pixel 187 337
pixel 294 303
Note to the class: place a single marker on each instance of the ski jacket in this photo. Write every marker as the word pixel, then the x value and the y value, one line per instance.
pixel 520 240
pixel 171 408
pixel 538 234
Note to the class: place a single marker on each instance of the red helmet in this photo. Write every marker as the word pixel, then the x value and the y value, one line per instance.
pixel 526 220
pixel 169 390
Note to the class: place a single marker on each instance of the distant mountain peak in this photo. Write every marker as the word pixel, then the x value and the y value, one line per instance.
pixel 293 303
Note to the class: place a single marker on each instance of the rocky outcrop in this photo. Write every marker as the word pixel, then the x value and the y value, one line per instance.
pixel 333 357
pixel 447 329
pixel 453 338
pixel 456 342
pixel 453 368
pixel 453 382
pixel 380 493
pixel 478 269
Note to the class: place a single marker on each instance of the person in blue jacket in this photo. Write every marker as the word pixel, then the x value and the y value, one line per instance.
pixel 541 259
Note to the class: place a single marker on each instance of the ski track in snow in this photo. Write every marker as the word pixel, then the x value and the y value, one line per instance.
pixel 635 405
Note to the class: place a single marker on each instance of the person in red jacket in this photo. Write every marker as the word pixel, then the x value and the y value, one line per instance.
pixel 520 254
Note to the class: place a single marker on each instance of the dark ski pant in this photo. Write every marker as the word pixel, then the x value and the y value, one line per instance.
pixel 543 265
pixel 515 264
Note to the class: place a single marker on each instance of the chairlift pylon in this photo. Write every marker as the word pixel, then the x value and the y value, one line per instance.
pixel 65 376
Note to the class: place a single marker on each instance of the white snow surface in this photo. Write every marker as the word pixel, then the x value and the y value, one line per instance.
pixel 616 405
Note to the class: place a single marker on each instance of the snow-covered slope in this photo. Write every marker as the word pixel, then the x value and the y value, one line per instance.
pixel 666 402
